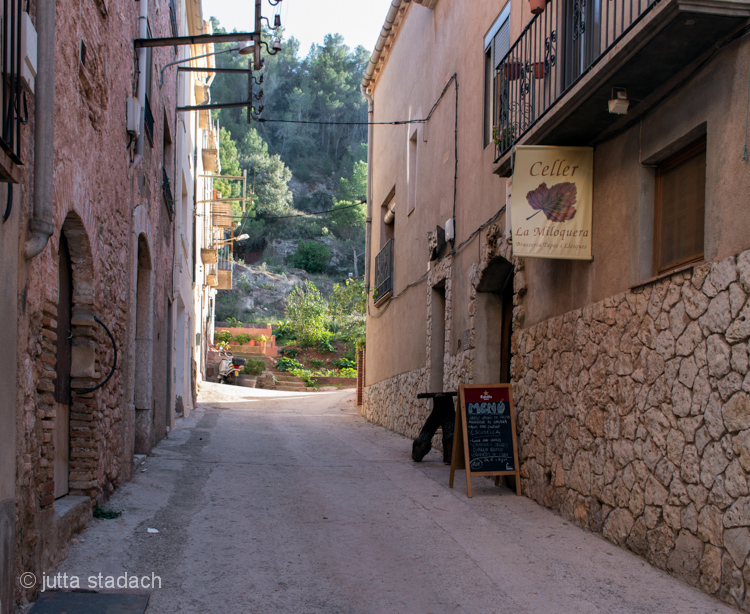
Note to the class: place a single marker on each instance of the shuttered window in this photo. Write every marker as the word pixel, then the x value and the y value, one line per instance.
pixel 680 208
pixel 496 46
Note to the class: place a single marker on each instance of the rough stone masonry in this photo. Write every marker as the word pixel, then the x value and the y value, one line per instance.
pixel 633 415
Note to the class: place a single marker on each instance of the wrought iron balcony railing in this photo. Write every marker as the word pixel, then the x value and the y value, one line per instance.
pixel 555 49
pixel 166 187
pixel 384 272
pixel 13 99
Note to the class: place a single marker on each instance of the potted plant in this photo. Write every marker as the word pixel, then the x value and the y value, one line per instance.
pixel 537 6
pixel 262 339
pixel 504 136
pixel 512 70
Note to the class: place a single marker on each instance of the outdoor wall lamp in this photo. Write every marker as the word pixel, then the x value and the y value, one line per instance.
pixel 618 102
pixel 246 47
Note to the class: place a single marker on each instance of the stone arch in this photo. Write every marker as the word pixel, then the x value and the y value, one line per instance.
pixel 75 366
pixel 144 332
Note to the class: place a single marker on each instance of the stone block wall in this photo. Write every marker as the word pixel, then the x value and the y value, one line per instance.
pixel 634 421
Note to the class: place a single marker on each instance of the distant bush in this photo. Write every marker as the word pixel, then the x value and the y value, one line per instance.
pixel 241 338
pixel 223 336
pixel 311 256
pixel 348 373
pixel 288 364
pixel 254 366
pixel 344 363
pixel 307 314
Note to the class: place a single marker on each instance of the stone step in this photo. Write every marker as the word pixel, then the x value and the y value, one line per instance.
pixel 300 388
pixel 285 377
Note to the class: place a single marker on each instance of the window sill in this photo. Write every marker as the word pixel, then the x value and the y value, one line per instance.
pixel 680 269
pixel 10 172
pixel 383 298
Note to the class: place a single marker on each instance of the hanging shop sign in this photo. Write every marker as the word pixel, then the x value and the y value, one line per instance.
pixel 484 437
pixel 551 202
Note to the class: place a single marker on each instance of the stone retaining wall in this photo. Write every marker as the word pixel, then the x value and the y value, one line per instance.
pixel 634 421
pixel 633 414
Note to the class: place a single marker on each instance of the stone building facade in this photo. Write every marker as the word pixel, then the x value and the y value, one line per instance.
pixel 630 381
pixel 87 254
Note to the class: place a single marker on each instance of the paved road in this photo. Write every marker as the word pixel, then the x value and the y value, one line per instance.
pixel 270 502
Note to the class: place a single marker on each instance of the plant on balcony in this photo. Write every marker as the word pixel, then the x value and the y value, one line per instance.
pixel 504 136
pixel 512 70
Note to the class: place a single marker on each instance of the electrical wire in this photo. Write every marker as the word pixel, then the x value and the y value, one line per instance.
pixel 453 252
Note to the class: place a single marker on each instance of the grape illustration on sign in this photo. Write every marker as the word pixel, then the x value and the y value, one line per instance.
pixel 558 182
pixel 557 202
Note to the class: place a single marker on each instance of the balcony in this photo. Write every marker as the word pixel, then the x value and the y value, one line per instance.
pixel 384 274
pixel 225 270
pixel 166 187
pixel 211 149
pixel 12 97
pixel 553 85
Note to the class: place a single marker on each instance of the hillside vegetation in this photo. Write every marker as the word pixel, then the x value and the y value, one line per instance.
pixel 308 179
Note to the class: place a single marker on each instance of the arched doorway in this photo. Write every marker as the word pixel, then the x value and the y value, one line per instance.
pixel 144 331
pixel 493 320
pixel 75 357
pixel 63 360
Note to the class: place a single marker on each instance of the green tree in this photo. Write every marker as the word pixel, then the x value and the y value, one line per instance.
pixel 229 166
pixel 307 314
pixel 347 306
pixel 311 256
pixel 348 218
pixel 267 175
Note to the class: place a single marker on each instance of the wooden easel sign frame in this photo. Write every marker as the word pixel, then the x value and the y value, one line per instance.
pixel 484 440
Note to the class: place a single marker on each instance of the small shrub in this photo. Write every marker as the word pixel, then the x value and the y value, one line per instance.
pixel 291 352
pixel 254 366
pixel 345 363
pixel 223 336
pixel 241 338
pixel 316 362
pixel 325 346
pixel 288 364
pixel 311 256
pixel 105 514
pixel 285 332
pixel 234 322
pixel 348 372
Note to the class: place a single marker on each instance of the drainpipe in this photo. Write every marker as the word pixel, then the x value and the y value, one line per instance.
pixel 380 44
pixel 368 218
pixel 42 224
pixel 141 95
pixel 366 80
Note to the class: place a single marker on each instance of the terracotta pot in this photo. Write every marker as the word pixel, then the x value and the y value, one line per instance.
pixel 512 70
pixel 537 6
pixel 538 68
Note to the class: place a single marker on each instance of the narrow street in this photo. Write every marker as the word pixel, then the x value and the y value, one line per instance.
pixel 271 502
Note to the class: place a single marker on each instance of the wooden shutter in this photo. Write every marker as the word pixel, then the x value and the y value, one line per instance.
pixel 680 208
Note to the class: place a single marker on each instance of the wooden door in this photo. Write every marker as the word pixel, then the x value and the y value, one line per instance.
pixel 62 383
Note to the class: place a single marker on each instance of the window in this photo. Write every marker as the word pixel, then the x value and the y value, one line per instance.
pixel 147 111
pixel 680 208
pixel 496 46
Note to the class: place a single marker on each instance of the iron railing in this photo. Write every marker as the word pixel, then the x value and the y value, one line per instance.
pixel 384 271
pixel 555 49
pixel 167 190
pixel 148 119
pixel 12 96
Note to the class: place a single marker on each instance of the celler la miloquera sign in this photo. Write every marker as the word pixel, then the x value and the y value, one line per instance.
pixel 551 202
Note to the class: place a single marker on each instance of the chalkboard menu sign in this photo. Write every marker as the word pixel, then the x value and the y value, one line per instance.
pixel 484 440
